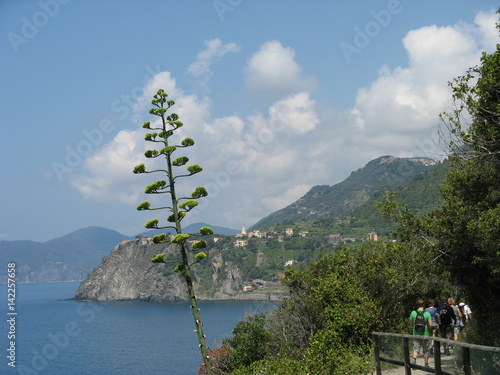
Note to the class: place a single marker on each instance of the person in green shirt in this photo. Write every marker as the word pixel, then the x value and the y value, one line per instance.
pixel 421 322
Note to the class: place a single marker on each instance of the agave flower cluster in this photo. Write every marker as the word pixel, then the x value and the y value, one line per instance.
pixel 180 206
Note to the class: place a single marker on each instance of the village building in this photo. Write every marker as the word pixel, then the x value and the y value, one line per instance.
pixel 334 239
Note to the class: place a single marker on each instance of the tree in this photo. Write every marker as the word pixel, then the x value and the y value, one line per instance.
pixel 329 316
pixel 179 206
pixel 249 341
pixel 467 226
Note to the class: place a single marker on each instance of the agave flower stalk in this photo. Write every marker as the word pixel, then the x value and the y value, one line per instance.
pixel 179 206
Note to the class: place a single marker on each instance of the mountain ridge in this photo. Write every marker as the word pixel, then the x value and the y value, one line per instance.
pixel 70 257
pixel 73 256
pixel 326 201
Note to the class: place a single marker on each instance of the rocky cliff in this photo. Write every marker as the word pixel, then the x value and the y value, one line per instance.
pixel 127 273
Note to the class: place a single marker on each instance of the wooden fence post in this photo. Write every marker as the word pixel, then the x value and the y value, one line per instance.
pixel 437 357
pixel 466 359
pixel 377 354
pixel 406 349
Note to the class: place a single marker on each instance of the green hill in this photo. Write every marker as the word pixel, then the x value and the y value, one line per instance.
pixel 326 201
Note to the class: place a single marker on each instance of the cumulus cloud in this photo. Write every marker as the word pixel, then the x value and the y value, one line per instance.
pixel 272 71
pixel 399 111
pixel 109 174
pixel 256 163
pixel 486 32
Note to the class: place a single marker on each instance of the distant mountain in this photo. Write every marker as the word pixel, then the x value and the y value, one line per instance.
pixel 74 256
pixel 71 257
pixel 326 201
pixel 67 258
pixel 194 228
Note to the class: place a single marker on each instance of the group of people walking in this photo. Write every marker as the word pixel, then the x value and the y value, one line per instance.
pixel 446 320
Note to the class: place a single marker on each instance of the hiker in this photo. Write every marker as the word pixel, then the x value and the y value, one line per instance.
pixel 432 309
pixel 458 324
pixel 465 309
pixel 446 320
pixel 421 322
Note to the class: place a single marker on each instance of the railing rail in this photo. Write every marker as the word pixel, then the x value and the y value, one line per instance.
pixel 437 353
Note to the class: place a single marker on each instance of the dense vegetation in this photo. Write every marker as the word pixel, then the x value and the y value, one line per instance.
pixel 311 238
pixel 451 250
pixel 337 200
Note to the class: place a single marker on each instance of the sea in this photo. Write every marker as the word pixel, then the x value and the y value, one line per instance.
pixel 42 332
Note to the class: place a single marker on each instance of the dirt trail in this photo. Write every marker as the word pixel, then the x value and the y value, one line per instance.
pixel 447 364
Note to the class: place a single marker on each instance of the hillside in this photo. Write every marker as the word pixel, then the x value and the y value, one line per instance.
pixel 194 228
pixel 254 259
pixel 67 258
pixel 326 201
pixel 128 274
pixel 318 213
pixel 421 195
pixel 70 257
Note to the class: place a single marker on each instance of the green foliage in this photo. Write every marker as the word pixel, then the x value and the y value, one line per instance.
pixel 198 245
pixel 141 168
pixel 153 223
pixel 143 206
pixel 325 326
pixel 199 192
pixel 159 238
pixel 180 238
pixel 159 258
pixel 467 226
pixel 279 365
pixel 200 256
pixel 206 231
pixel 249 341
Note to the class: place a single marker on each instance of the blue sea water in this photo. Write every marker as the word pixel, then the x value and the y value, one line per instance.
pixel 54 336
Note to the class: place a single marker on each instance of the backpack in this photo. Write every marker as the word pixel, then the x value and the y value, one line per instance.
pixel 420 322
pixel 444 315
pixel 461 314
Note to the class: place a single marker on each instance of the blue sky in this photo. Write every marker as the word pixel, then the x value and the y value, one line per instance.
pixel 278 95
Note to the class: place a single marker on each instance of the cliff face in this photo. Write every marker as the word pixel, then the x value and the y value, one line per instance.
pixel 127 273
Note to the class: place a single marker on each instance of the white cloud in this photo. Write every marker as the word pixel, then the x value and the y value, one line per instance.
pixel 214 51
pixel 272 71
pixel 162 80
pixel 259 162
pixel 109 174
pixel 487 31
pixel 295 114
pixel 398 112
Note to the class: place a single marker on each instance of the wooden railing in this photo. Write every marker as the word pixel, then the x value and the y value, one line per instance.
pixel 437 369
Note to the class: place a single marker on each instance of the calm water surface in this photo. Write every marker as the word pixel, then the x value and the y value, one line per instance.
pixel 56 337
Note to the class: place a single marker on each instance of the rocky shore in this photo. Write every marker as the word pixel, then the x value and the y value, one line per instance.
pixel 127 274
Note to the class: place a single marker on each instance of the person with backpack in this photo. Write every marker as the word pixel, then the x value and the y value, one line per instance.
pixel 466 310
pixel 446 320
pixel 432 309
pixel 459 318
pixel 421 323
